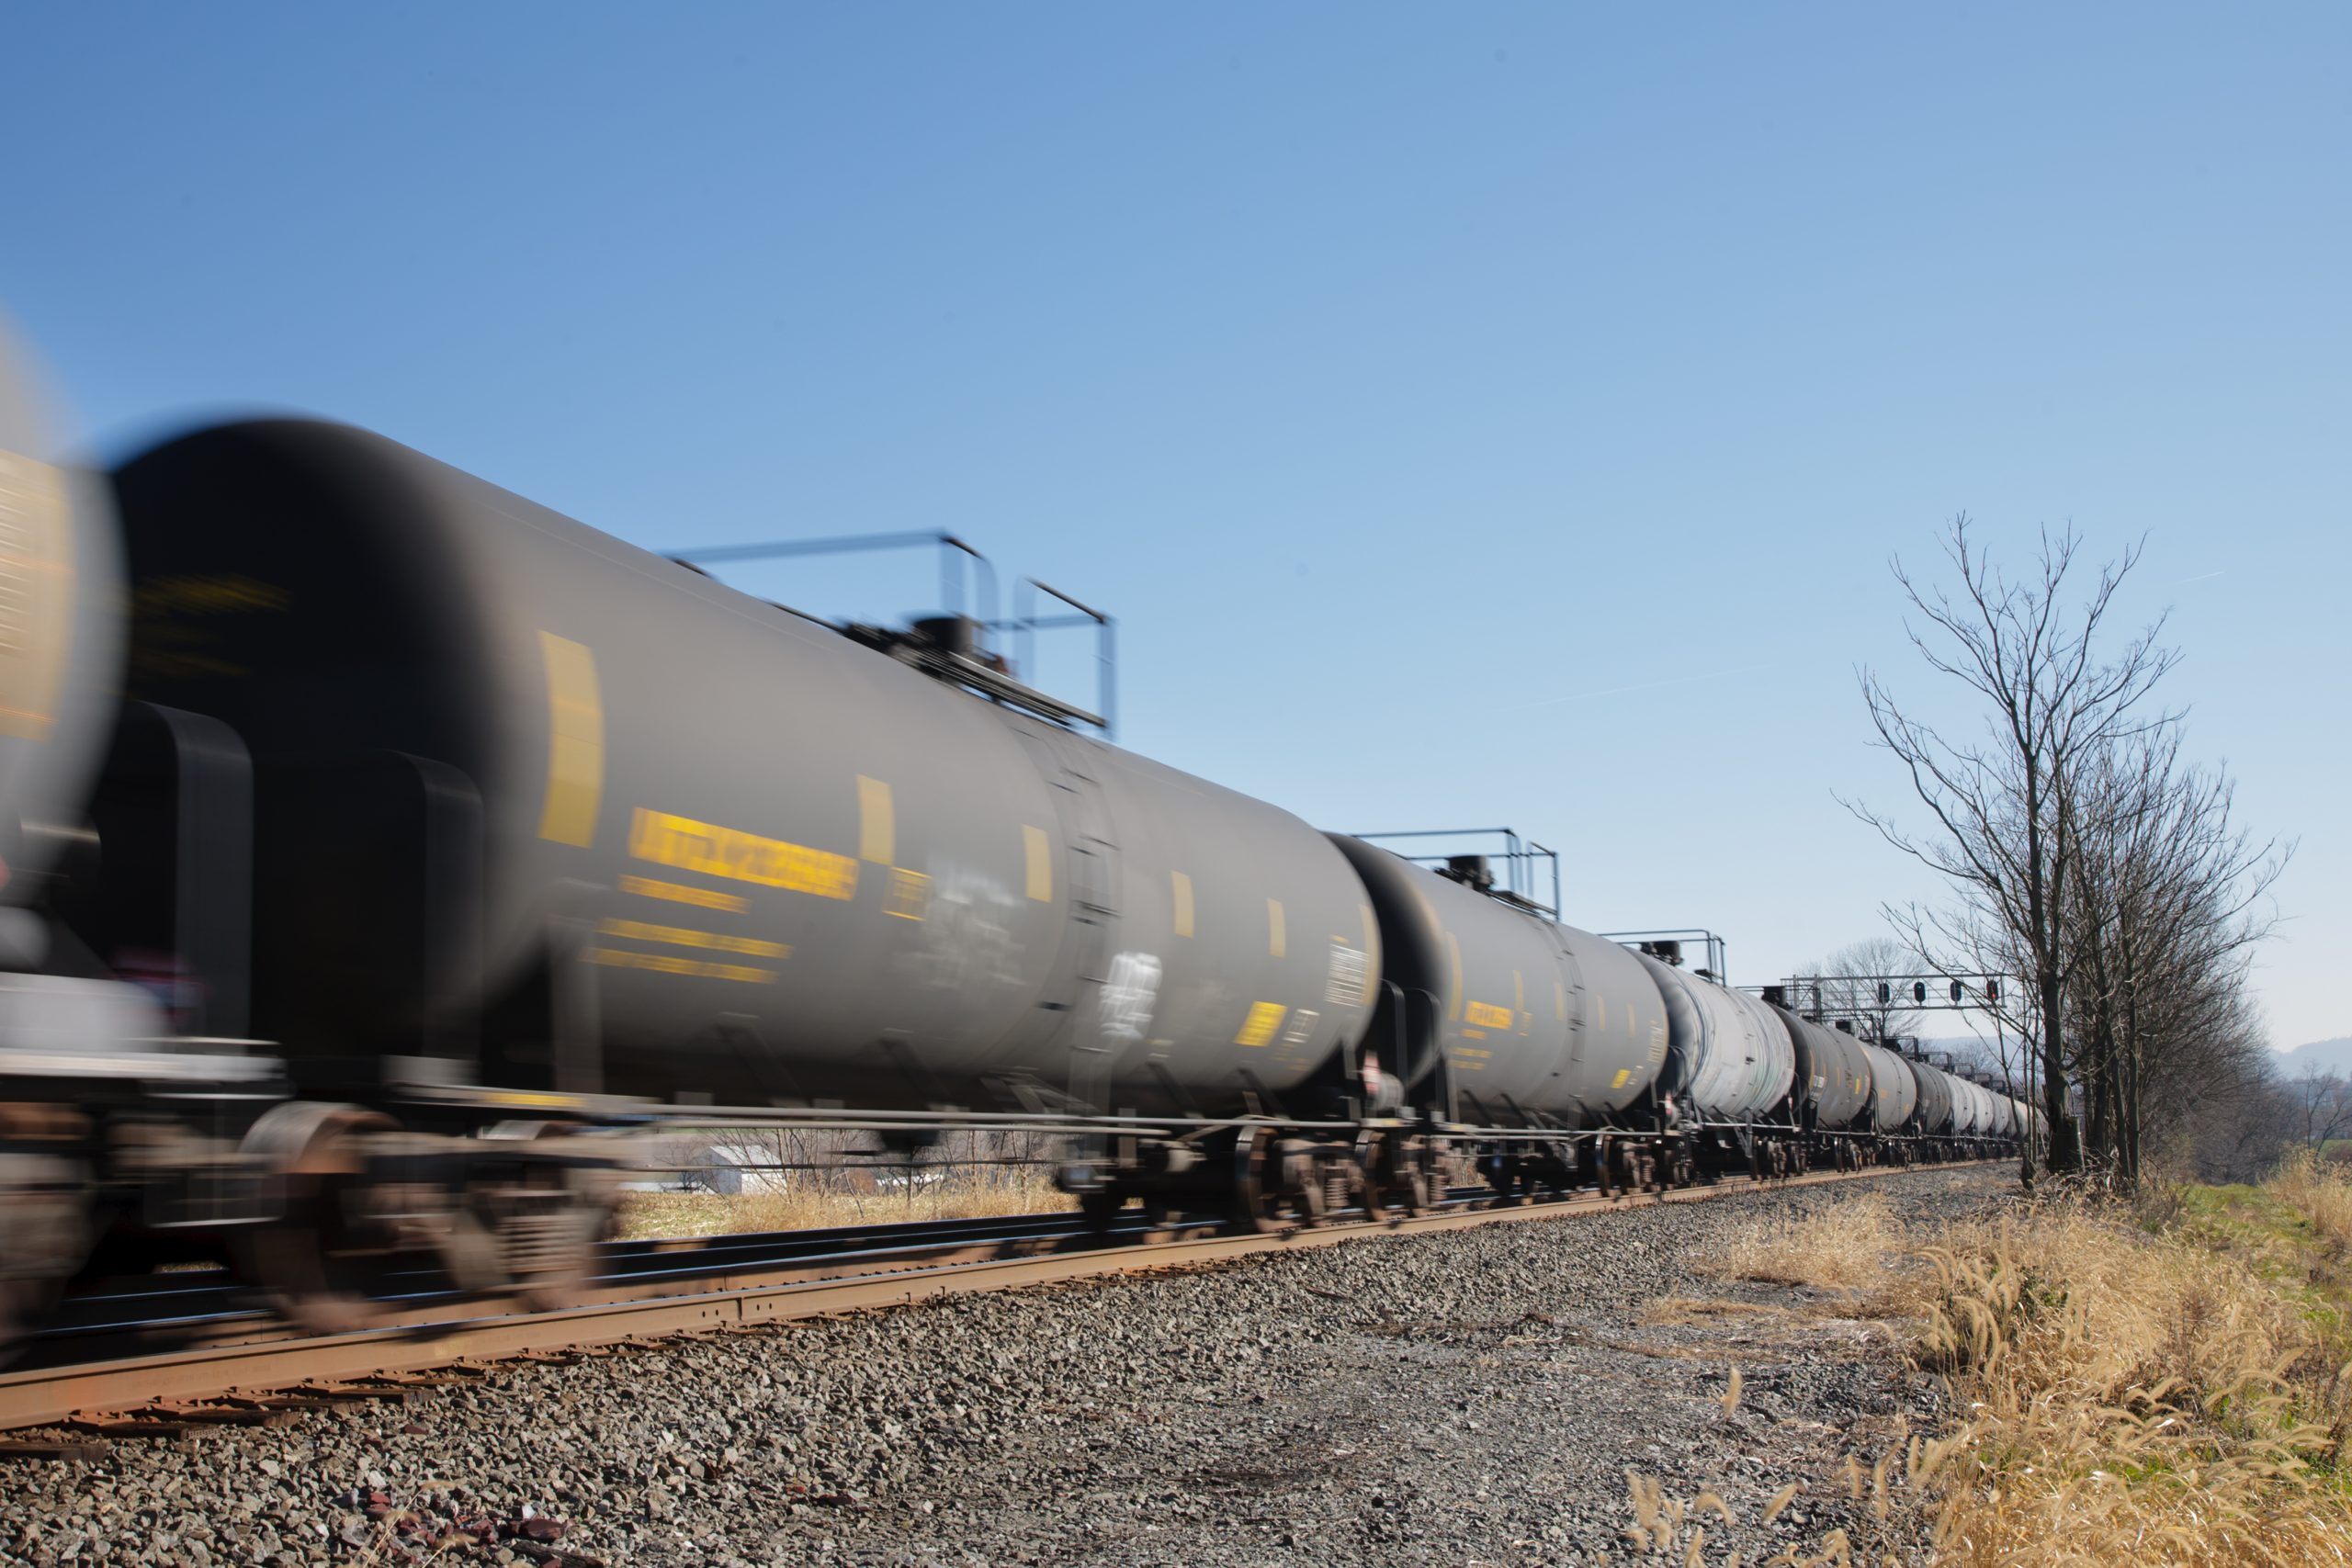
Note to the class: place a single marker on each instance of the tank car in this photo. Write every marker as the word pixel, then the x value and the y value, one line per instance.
pixel 1933 1117
pixel 1833 1088
pixel 1972 1112
pixel 1508 1019
pixel 1894 1093
pixel 1730 1062
pixel 622 829
pixel 1726 1053
pixel 2002 1112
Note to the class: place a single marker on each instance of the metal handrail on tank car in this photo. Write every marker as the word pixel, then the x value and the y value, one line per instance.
pixel 950 579
pixel 1520 855
pixel 1026 623
pixel 1718 949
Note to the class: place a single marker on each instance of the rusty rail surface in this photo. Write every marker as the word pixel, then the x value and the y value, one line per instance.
pixel 251 1364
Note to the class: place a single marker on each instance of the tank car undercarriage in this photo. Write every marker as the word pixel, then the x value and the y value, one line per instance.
pixel 338 1213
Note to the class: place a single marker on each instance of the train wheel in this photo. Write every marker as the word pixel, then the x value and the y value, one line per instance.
pixel 543 1216
pixel 44 1237
pixel 1266 1197
pixel 1162 1221
pixel 1424 1177
pixel 329 1259
pixel 1371 1193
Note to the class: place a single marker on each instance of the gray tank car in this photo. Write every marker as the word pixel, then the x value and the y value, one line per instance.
pixel 1727 1051
pixel 1529 1012
pixel 1833 1073
pixel 1934 1111
pixel 2003 1113
pixel 794 867
pixel 1972 1109
pixel 1894 1093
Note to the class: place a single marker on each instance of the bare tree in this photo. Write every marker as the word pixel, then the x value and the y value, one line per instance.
pixel 1849 981
pixel 2163 915
pixel 2005 830
pixel 2322 1105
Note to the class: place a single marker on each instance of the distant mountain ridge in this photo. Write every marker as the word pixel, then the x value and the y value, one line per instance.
pixel 2319 1057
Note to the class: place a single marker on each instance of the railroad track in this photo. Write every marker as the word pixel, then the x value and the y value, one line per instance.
pixel 171 1354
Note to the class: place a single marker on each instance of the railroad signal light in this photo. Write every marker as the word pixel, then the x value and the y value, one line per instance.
pixel 1957 990
pixel 1885 993
pixel 1992 990
pixel 1918 990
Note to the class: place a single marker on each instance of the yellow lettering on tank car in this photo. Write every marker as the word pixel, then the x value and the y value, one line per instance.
pixel 224 593
pixel 532 1100
pixel 681 936
pixel 910 895
pixel 1277 936
pixel 678 893
pixel 739 856
pixel 877 829
pixel 1179 887
pixel 1619 1082
pixel 1039 850
pixel 1260 1026
pixel 1559 1001
pixel 1487 1015
pixel 669 963
pixel 575 744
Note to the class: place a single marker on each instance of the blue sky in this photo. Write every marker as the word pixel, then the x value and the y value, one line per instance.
pixel 1474 413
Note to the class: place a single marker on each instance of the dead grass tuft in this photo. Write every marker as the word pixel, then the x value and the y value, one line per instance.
pixel 2321 1194
pixel 1846 1248
pixel 1676 1311
pixel 962 1196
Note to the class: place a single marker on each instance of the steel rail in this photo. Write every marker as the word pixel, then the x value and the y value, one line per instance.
pixel 250 1367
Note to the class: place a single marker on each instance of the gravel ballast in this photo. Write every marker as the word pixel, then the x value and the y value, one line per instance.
pixel 1476 1396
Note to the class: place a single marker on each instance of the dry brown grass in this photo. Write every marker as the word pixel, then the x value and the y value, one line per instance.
pixel 961 1196
pixel 2175 1395
pixel 1848 1247
pixel 2321 1194
pixel 2128 1397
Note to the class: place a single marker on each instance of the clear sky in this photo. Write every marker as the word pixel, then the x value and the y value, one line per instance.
pixel 1474 413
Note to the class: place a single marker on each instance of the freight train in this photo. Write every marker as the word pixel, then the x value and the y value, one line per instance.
pixel 387 854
